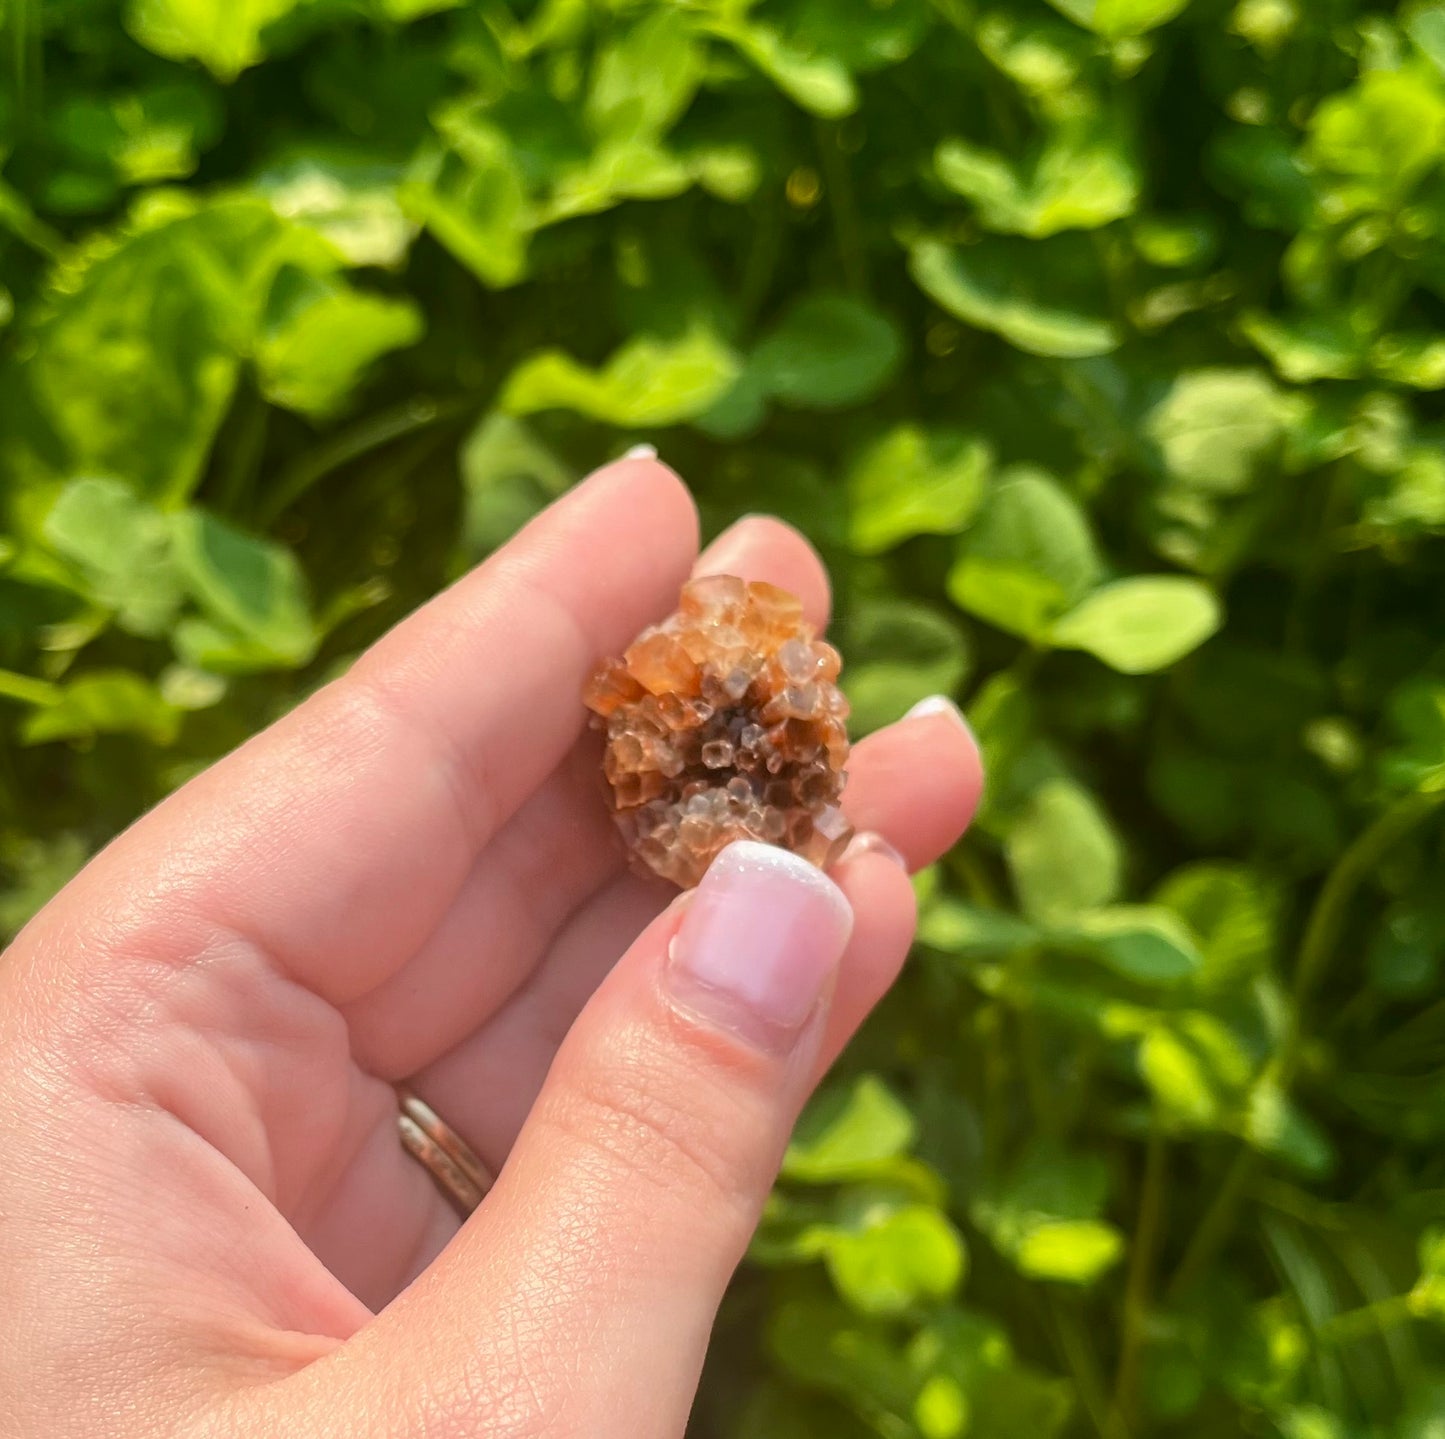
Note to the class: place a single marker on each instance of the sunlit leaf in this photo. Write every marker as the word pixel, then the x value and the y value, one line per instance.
pixel 1028 558
pixel 644 79
pixel 899 653
pixel 1142 624
pixel 320 336
pixel 648 382
pixel 893 1257
pixel 847 1132
pixel 251 592
pixel 914 482
pixel 1044 1215
pixel 1216 428
pixel 1063 854
pixel 225 35
pixel 827 352
pixel 1080 178
pixel 1113 18
pixel 105 702
pixel 1040 308
pixel 121 546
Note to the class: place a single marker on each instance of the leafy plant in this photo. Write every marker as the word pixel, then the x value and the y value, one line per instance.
pixel 1098 345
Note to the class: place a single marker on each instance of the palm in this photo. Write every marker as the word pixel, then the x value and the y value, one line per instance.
pixel 413 876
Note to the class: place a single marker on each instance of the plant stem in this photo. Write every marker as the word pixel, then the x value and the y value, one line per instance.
pixel 843 206
pixel 241 465
pixel 1140 1281
pixel 1322 930
pixel 353 444
pixel 1212 1230
pixel 761 263
pixel 1367 1320
pixel 1083 1367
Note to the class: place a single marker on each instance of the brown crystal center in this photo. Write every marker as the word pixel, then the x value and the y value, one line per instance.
pixel 724 722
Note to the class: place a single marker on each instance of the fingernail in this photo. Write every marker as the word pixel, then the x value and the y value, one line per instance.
pixel 942 705
pixel 759 944
pixel 641 452
pixel 718 555
pixel 868 841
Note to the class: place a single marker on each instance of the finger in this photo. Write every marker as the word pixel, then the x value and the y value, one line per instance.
pixel 760 547
pixel 915 783
pixel 547 860
pixel 588 1282
pixel 336 840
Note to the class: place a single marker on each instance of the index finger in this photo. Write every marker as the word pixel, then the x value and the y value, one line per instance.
pixel 336 839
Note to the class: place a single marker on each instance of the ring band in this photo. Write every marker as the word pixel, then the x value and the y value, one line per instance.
pixel 445 1155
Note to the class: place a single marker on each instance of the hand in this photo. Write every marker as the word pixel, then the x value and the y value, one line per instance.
pixel 207 1222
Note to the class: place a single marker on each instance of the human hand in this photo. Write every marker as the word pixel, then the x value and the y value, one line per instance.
pixel 208 1225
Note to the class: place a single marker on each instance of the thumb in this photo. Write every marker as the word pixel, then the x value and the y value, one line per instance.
pixel 579 1298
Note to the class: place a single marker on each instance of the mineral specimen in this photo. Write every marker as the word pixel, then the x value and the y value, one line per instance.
pixel 724 722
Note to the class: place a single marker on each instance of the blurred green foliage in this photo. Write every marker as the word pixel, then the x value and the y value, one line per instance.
pixel 1098 345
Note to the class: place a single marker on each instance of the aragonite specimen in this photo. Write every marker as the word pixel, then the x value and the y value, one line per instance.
pixel 724 722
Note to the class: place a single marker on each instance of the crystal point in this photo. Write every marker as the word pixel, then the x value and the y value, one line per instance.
pixel 723 722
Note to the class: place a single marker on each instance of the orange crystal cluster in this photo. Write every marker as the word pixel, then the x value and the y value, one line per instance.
pixel 724 722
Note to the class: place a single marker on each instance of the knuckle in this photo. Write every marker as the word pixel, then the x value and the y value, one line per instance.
pixel 680 1134
pixel 372 707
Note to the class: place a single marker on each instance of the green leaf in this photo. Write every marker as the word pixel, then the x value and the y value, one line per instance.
pixel 1218 428
pixel 508 475
pixel 36 870
pixel 847 1133
pixel 1196 1067
pixel 1387 130
pixel 1028 558
pixel 1416 360
pixel 827 352
pixel 1426 27
pixel 1043 308
pixel 1063 854
pixel 1141 942
pixel 135 138
pixel 321 336
pixel 251 592
pixel 1232 913
pixel 121 548
pixel 1070 1251
pixel 224 35
pixel 1308 347
pixel 1044 57
pixel 1116 18
pixel 132 369
pixel 899 653
pixel 646 78
pixel 1005 1398
pixel 818 83
pixel 1143 624
pixel 105 702
pixel 860 38
pixel 476 205
pixel 350 199
pixel 893 1257
pixel 1427 1296
pixel 1043 1215
pixel 1082 177
pixel 648 383
pixel 912 481
pixel 951 925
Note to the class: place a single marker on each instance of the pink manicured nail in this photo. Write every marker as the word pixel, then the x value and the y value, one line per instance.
pixel 939 705
pixel 868 841
pixel 759 944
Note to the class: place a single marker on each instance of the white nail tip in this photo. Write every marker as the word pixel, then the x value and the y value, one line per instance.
pixel 641 452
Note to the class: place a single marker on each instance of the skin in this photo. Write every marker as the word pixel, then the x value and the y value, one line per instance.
pixel 207 1223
